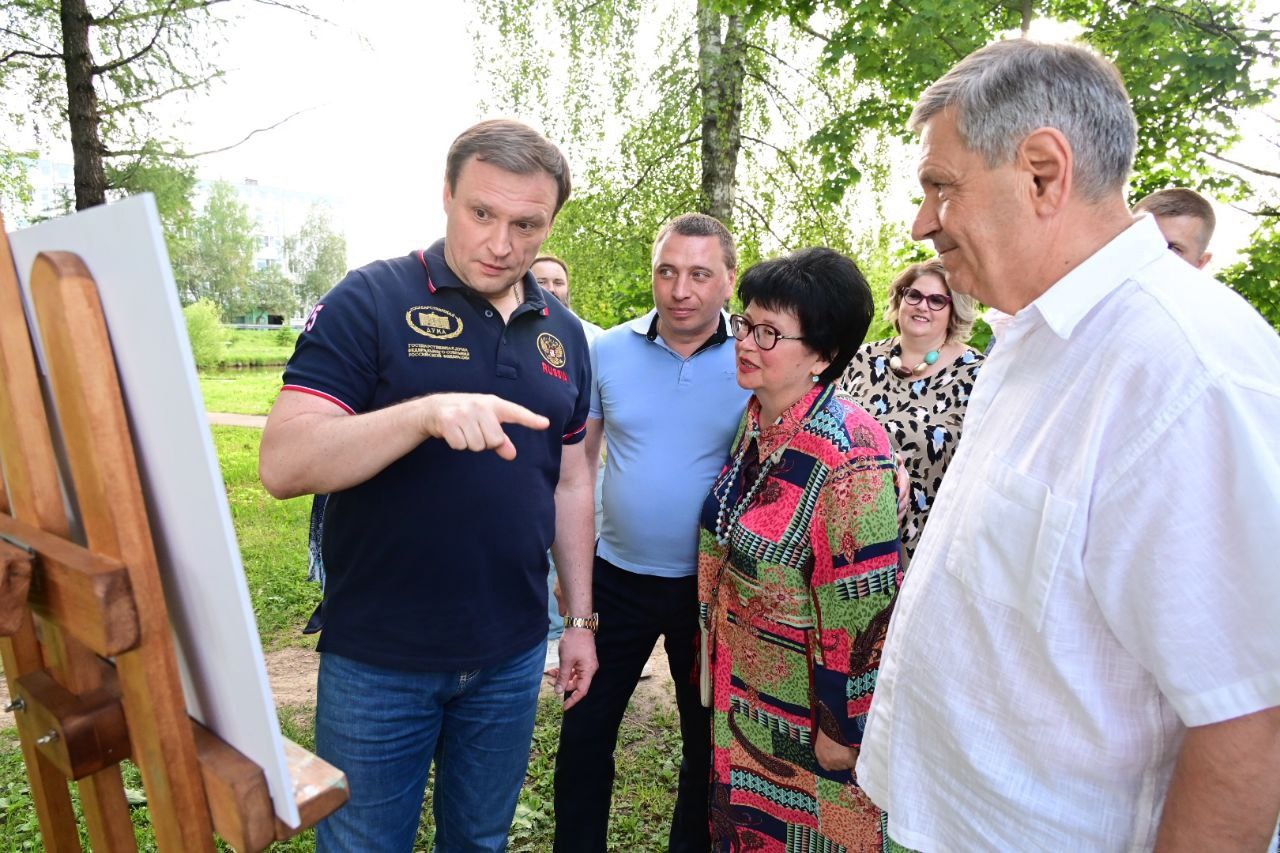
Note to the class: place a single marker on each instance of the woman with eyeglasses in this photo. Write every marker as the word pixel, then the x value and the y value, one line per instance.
pixel 917 383
pixel 797 569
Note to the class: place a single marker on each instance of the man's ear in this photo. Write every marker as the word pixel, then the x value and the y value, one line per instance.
pixel 1204 260
pixel 1047 159
pixel 448 195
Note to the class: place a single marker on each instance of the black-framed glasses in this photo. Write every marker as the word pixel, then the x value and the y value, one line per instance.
pixel 766 336
pixel 935 301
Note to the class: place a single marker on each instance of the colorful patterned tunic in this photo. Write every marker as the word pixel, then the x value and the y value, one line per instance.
pixel 796 606
pixel 922 417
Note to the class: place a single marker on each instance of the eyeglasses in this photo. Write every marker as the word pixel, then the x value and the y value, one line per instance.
pixel 766 336
pixel 936 301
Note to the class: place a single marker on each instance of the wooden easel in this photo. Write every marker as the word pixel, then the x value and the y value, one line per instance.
pixel 64 608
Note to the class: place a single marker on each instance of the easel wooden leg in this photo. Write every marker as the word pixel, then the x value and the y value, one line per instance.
pixel 104 600
pixel 100 455
pixel 49 791
pixel 102 797
pixel 34 496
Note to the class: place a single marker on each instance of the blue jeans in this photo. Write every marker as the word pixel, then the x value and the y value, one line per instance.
pixel 384 727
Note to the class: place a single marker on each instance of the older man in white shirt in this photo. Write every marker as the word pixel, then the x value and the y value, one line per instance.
pixel 1085 652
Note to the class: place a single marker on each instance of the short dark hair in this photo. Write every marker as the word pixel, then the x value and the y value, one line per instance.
pixel 828 294
pixel 1180 201
pixel 699 225
pixel 512 146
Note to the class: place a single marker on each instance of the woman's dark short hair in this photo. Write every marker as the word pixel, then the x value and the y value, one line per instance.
pixel 827 293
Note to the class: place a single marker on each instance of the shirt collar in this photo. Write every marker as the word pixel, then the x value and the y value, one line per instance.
pixel 779 434
pixel 647 325
pixel 1070 299
pixel 440 275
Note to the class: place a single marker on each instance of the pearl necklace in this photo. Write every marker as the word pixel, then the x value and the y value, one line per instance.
pixel 895 361
pixel 726 516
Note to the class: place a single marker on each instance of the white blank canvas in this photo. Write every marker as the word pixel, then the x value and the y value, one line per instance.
pixel 224 673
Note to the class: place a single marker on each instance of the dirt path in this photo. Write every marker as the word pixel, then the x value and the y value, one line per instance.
pixel 229 419
pixel 293 679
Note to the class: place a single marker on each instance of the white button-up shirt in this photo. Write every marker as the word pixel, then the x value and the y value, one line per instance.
pixel 1101 568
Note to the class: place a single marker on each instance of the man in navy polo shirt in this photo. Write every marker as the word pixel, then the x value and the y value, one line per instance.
pixel 666 397
pixel 441 400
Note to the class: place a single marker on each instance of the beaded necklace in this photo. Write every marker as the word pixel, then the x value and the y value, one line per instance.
pixel 726 516
pixel 895 361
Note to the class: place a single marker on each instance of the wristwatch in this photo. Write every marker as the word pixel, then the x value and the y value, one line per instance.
pixel 591 623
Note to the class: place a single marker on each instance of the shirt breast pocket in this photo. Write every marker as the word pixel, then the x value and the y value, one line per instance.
pixel 1010 546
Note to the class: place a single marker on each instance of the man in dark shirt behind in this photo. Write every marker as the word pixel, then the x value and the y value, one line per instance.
pixel 441 400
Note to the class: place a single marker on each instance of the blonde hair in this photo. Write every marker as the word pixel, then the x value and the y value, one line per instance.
pixel 964 309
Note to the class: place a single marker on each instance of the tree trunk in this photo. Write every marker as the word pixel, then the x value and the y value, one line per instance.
pixel 720 75
pixel 82 105
pixel 1027 16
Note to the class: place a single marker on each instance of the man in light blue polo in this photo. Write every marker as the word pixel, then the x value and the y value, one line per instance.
pixel 665 395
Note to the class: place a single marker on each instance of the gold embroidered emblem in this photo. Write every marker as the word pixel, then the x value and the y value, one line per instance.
pixel 434 322
pixel 551 350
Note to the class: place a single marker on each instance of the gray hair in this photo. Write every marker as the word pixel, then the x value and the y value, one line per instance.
pixel 964 308
pixel 512 146
pixel 699 225
pixel 1004 91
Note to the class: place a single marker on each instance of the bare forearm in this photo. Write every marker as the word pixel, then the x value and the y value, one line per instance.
pixel 312 453
pixel 1225 791
pixel 574 544
pixel 311 446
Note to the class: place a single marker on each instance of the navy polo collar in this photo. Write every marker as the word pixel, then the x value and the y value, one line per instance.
pixel 440 275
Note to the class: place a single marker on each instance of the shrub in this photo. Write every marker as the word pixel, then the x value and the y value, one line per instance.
pixel 286 336
pixel 204 328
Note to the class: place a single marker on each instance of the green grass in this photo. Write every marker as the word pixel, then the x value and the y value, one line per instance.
pixel 244 392
pixel 273 541
pixel 647 765
pixel 258 347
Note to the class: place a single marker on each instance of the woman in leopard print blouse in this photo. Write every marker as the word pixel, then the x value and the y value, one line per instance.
pixel 917 383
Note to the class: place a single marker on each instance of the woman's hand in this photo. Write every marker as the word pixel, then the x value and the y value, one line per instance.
pixel 902 480
pixel 832 756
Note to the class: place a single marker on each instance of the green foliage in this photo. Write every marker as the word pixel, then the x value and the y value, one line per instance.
pixel 825 87
pixel 204 328
pixel 140 52
pixel 15 187
pixel 1257 276
pixel 170 179
pixel 19 826
pixel 270 291
pixel 787 195
pixel 317 258
pixel 215 259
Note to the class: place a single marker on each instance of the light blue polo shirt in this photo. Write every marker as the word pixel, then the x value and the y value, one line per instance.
pixel 668 423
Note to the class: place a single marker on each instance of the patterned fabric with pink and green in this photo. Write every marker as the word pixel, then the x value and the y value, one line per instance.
pixel 796 603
